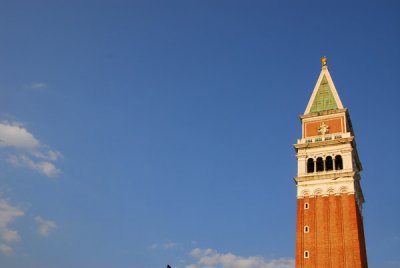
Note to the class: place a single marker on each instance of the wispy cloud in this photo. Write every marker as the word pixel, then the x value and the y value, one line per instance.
pixel 170 245
pixel 45 226
pixel 8 214
pixel 36 85
pixel 209 258
pixel 153 246
pixel 29 152
pixel 167 245
pixel 44 167
pixel 6 250
pixel 49 155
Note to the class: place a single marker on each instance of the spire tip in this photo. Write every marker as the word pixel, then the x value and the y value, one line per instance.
pixel 324 61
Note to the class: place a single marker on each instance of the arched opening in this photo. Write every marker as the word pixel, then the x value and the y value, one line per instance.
pixel 310 165
pixel 320 164
pixel 329 163
pixel 338 162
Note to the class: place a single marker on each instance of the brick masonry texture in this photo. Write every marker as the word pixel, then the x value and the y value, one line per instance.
pixel 336 234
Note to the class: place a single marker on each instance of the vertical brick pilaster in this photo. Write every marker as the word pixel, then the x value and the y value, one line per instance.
pixel 363 250
pixel 349 224
pixel 335 234
pixel 299 233
pixel 310 239
pixel 328 231
pixel 357 234
pixel 322 249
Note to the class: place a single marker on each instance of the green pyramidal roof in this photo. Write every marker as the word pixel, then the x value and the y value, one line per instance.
pixel 324 99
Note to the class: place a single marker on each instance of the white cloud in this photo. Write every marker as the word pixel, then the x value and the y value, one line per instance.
pixel 49 155
pixel 44 167
pixel 36 85
pixel 167 245
pixel 45 226
pixel 35 156
pixel 13 135
pixel 6 250
pixel 8 214
pixel 209 258
pixel 153 246
pixel 10 235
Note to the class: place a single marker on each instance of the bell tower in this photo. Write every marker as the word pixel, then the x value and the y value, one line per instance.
pixel 329 229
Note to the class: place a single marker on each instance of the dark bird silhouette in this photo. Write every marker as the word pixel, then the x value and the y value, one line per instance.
pixel 169 266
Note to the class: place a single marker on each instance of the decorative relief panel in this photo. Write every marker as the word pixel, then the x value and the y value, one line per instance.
pixel 330 126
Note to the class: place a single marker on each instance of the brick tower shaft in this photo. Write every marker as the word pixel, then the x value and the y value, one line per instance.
pixel 329 229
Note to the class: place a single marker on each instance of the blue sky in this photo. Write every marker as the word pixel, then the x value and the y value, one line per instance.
pixel 141 133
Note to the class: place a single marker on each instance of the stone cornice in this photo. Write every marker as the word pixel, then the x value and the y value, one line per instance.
pixel 325 176
pixel 347 183
pixel 336 111
pixel 323 143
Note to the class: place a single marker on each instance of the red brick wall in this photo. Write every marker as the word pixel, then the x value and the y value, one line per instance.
pixel 336 236
pixel 336 125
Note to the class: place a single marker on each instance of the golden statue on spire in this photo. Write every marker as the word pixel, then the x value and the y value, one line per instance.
pixel 324 61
